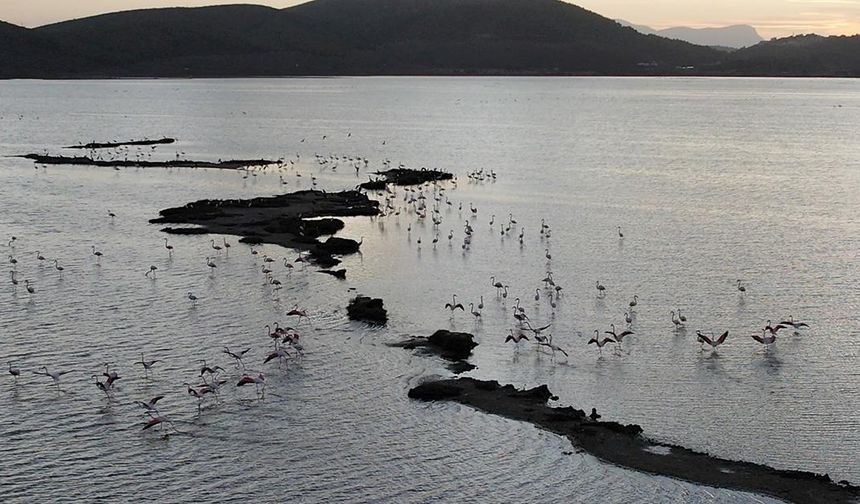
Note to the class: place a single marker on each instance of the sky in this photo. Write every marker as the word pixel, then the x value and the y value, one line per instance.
pixel 772 18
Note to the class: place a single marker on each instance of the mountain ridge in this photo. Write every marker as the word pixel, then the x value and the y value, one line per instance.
pixel 377 37
pixel 735 36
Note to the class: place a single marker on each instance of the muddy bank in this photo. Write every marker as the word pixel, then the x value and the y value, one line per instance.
pixel 455 347
pixel 404 177
pixel 624 445
pixel 280 220
pixel 232 164
pixel 110 145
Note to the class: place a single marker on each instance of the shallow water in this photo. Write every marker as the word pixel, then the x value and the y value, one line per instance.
pixel 711 180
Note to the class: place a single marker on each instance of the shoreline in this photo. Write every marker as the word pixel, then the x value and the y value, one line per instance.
pixel 622 445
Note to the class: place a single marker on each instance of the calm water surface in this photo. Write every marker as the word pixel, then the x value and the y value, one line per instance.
pixel 711 180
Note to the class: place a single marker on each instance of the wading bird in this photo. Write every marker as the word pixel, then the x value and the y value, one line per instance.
pixel 147 365
pixel 714 342
pixel 453 305
pixel 600 342
pixel 259 382
pixel 56 375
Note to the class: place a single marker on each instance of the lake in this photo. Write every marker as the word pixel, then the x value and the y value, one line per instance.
pixel 710 180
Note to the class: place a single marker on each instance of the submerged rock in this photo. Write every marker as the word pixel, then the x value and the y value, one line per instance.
pixel 366 309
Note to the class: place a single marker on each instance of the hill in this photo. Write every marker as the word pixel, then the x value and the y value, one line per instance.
pixel 736 36
pixel 388 37
pixel 351 37
pixel 799 56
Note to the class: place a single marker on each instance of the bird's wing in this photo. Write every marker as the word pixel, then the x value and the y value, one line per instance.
pixel 592 340
pixel 722 337
pixel 544 327
pixel 458 305
pixel 156 399
pixel 800 324
pixel 608 340
pixel 757 338
pixel 509 338
pixel 625 333
pixel 706 339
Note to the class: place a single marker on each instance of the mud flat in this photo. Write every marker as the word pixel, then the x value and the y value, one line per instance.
pixel 111 145
pixel 294 220
pixel 404 177
pixel 232 164
pixel 625 446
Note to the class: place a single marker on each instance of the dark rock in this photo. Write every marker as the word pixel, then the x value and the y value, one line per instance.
pixel 185 231
pixel 339 246
pixel 341 273
pixel 453 345
pixel 459 367
pixel 404 177
pixel 434 391
pixel 366 309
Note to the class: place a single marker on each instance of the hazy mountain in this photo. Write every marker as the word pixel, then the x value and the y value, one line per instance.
pixel 736 36
pixel 383 37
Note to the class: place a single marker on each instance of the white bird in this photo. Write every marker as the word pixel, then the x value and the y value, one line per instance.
pixel 56 375
pixel 601 290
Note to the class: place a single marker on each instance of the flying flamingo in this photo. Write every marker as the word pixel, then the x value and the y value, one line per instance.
pixel 237 356
pixel 147 365
pixel 764 339
pixel 796 325
pixel 618 337
pixel 259 382
pixel 516 338
pixel 150 405
pixel 714 342
pixel 56 375
pixel 296 312
pixel 773 329
pixel 600 342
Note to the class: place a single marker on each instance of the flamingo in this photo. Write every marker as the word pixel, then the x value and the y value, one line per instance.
pixel 30 288
pixel 796 325
pixel 97 253
pixel 259 382
pixel 280 354
pixel 764 339
pixel 152 270
pixel 472 310
pixel 681 317
pixel 296 312
pixel 57 265
pixel 504 291
pixel 192 298
pixel 628 318
pixel 211 264
pixel 537 294
pixel 634 302
pixel 553 348
pixel 103 386
pixel 158 420
pixel 714 342
pixel 516 338
pixel 547 281
pixel 111 376
pixel 453 305
pixel 39 256
pixel 206 369
pixel 217 248
pixel 741 288
pixel 773 329
pixel 620 234
pixel 237 356
pixel 12 260
pixel 481 304
pixel 537 331
pixel 15 372
pixel 168 246
pixel 620 336
pixel 14 280
pixel 676 321
pixel 150 405
pixel 56 375
pixel 600 342
pixel 601 290
pixel 226 244
pixel 111 215
pixel 147 365
pixel 547 254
